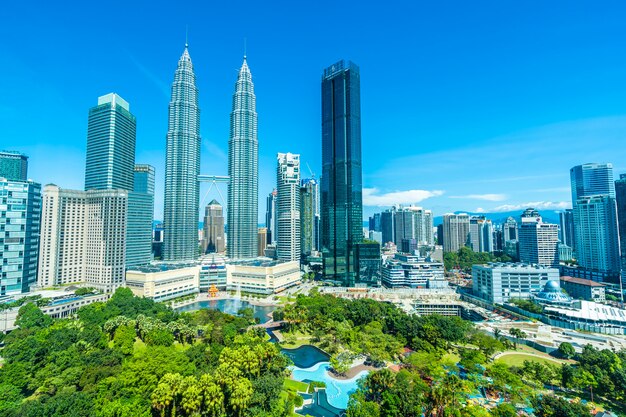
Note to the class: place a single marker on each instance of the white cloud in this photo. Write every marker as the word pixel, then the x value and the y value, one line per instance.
pixel 486 197
pixel 480 210
pixel 539 205
pixel 371 197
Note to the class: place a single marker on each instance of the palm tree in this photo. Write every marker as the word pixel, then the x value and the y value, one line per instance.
pixel 192 398
pixel 240 395
pixel 212 394
pixel 162 397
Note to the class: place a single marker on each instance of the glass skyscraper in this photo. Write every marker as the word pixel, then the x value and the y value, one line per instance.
pixel 595 218
pixel 243 170
pixel 341 183
pixel 110 145
pixel 13 166
pixel 182 166
pixel 140 216
pixel 20 217
pixel 592 179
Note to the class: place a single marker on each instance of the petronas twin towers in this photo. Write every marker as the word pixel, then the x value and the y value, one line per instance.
pixel 182 167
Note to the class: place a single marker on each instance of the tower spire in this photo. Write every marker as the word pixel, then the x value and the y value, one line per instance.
pixel 245 47
pixel 186 36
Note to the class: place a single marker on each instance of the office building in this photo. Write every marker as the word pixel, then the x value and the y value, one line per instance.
pixel 288 207
pixel 13 166
pixel 480 234
pixel 83 237
pixel 110 145
pixel 270 217
pixel 597 237
pixel 309 215
pixel 243 170
pixel 594 209
pixel 387 227
pixel 498 240
pixel 410 271
pixel 620 200
pixel 455 231
pixel 341 187
pixel 182 166
pixel 213 240
pixel 566 227
pixel 584 289
pixel 157 241
pixel 163 282
pixel 509 229
pixel 20 217
pixel 592 179
pixel 262 240
pixel 497 283
pixel 538 241
pixel 140 217
pixel 404 226
pixel 374 223
pixel 367 263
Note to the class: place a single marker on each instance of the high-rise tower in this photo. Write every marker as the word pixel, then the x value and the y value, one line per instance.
pixel 110 145
pixel 243 169
pixel 595 220
pixel 213 236
pixel 182 166
pixel 341 190
pixel 288 207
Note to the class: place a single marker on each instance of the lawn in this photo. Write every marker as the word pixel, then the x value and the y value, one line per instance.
pixel 517 359
pixel 295 386
pixel 297 339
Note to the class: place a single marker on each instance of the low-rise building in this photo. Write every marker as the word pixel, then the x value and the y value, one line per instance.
pixel 262 275
pixel 584 289
pixel 162 282
pixel 411 271
pixel 497 283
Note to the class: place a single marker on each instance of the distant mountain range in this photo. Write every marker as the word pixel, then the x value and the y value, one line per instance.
pixel 549 216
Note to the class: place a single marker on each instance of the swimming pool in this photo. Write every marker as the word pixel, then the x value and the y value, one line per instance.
pixel 337 391
pixel 306 356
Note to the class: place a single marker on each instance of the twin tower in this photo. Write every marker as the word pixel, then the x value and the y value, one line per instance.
pixel 182 168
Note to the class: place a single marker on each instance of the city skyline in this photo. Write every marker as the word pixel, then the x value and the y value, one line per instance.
pixel 500 104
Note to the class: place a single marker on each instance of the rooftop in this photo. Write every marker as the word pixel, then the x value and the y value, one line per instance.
pixel 582 281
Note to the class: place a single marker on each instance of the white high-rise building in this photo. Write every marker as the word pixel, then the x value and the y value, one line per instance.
pixel 538 241
pixel 288 207
pixel 455 231
pixel 83 237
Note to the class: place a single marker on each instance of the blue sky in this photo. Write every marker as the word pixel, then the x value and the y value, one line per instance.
pixel 465 105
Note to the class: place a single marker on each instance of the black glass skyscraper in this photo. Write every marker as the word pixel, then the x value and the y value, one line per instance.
pixel 341 184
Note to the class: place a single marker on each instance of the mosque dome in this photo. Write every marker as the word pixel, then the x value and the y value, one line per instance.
pixel 552 294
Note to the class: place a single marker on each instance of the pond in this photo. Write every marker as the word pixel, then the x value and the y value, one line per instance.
pixel 230 306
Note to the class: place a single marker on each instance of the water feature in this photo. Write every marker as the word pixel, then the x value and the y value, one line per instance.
pixel 306 356
pixel 337 391
pixel 230 306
